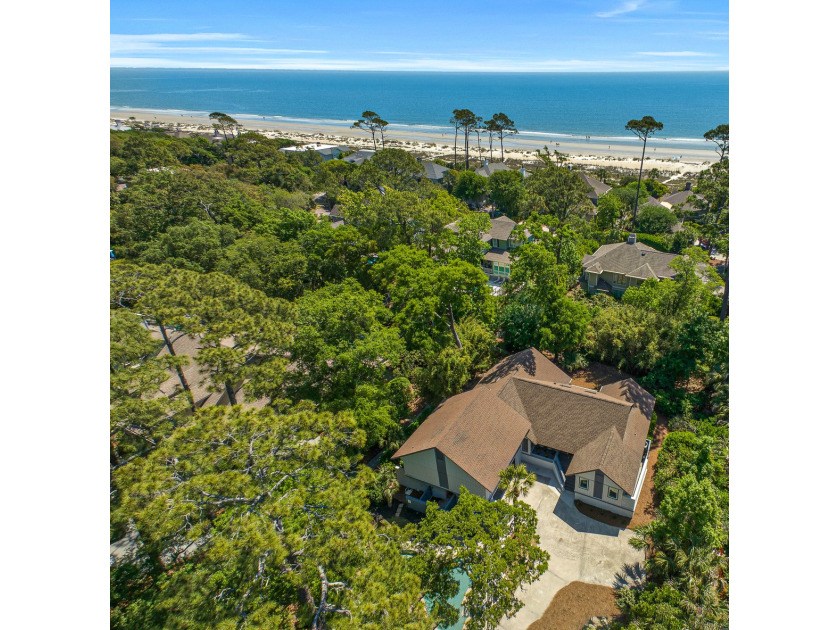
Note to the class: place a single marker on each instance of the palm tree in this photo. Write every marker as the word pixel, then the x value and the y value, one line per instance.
pixel 388 481
pixel 516 480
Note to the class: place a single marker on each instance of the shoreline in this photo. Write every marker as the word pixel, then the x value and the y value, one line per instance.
pixel 423 141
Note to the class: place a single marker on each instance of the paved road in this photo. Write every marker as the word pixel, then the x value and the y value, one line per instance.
pixel 581 549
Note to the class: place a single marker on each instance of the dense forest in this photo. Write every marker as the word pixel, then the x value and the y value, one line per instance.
pixel 332 340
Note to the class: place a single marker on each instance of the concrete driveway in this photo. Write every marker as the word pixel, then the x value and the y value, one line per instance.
pixel 581 549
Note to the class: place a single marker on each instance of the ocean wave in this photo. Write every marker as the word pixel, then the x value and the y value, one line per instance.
pixel 420 127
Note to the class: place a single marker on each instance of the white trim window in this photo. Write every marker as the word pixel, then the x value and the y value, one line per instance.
pixel 583 483
pixel 612 493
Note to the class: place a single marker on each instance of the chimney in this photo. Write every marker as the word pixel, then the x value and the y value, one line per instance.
pixel 631 239
pixel 688 185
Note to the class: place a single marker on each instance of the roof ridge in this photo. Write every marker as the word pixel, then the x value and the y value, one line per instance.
pixel 610 438
pixel 567 387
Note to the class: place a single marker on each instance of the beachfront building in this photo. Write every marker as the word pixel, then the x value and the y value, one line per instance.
pixel 615 267
pixel 359 157
pixel 488 168
pixel 326 151
pixel 525 410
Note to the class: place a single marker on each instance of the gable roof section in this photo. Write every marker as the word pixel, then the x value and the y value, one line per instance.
pixel 434 171
pixel 564 417
pixel 644 272
pixel 626 258
pixel 598 187
pixel 472 429
pixel 681 198
pixel 630 391
pixel 607 454
pixel 492 167
pixel 500 229
pixel 529 363
pixel 525 395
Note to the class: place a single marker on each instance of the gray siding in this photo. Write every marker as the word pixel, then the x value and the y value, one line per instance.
pixel 422 466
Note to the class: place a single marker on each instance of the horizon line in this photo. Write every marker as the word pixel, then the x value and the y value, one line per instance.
pixel 438 71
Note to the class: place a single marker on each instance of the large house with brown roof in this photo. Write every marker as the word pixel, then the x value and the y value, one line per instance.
pixel 615 267
pixel 525 410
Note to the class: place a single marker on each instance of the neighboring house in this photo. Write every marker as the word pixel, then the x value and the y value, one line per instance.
pixel 488 168
pixel 680 200
pixel 203 392
pixel 496 263
pixel 326 151
pixel 617 266
pixel 434 172
pixel 598 188
pixel 525 410
pixel 359 157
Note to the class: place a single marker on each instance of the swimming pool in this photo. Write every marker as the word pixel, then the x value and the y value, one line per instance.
pixel 455 600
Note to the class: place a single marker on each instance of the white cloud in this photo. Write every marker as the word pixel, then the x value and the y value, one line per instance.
pixel 157 43
pixel 423 64
pixel 681 53
pixel 626 7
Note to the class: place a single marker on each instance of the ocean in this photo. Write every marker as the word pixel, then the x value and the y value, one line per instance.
pixel 568 106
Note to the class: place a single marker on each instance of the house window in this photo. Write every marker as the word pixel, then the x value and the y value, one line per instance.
pixel 612 493
pixel 583 483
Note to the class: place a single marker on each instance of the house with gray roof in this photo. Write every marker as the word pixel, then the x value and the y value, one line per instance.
pixel 596 189
pixel 326 151
pixel 615 267
pixel 359 157
pixel 488 168
pixel 434 172
pixel 525 410
pixel 680 200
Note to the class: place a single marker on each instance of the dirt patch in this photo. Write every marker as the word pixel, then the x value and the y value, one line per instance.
pixel 596 375
pixel 575 604
pixel 645 513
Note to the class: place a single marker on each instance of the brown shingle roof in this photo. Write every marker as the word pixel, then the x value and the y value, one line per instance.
pixel 526 395
pixel 530 363
pixel 497 255
pixel 632 392
pixel 564 417
pixel 474 431
pixel 607 454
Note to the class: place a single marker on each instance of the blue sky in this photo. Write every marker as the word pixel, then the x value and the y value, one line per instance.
pixel 493 35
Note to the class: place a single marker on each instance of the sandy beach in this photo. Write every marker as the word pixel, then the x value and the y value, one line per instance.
pixel 520 149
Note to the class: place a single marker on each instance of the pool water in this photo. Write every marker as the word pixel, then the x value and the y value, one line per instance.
pixel 455 600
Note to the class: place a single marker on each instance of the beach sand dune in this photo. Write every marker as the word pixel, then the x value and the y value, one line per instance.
pixel 518 149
